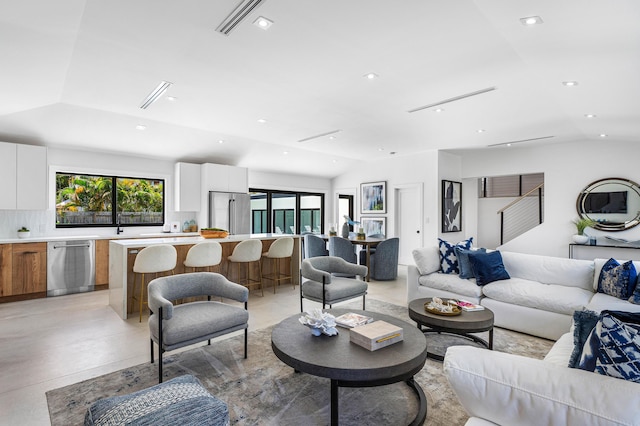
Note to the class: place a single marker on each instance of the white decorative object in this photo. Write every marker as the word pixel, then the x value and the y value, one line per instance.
pixel 319 322
pixel 580 239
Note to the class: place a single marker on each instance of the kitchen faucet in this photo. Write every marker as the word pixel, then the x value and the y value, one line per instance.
pixel 118 229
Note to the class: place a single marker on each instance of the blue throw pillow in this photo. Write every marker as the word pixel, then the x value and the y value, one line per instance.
pixel 488 267
pixel 617 280
pixel 466 270
pixel 635 297
pixel 613 347
pixel 448 259
pixel 583 323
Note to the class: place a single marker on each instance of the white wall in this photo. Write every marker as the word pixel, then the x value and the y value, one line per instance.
pixel 567 169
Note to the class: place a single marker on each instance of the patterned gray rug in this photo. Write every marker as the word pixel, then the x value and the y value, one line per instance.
pixel 262 390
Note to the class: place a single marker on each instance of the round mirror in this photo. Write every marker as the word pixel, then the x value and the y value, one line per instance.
pixel 613 203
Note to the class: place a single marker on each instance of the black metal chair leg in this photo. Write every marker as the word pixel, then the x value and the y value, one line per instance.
pixel 151 340
pixel 245 342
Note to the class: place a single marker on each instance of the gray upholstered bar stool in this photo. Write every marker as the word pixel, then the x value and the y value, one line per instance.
pixel 281 248
pixel 246 252
pixel 151 260
pixel 206 254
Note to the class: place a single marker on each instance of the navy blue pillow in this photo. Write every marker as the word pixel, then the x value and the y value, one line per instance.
pixel 466 270
pixel 583 323
pixel 488 267
pixel 448 259
pixel 617 280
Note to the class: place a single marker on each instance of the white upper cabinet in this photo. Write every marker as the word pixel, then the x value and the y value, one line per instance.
pixel 187 187
pixel 220 177
pixel 23 170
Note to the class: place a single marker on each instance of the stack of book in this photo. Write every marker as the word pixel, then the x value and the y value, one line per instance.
pixel 351 319
pixel 468 306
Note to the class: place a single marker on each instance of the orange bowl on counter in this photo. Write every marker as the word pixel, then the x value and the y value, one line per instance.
pixel 208 233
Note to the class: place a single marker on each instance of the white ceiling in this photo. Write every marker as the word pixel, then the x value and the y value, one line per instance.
pixel 74 73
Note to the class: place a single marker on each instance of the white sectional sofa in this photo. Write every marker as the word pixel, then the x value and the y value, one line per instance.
pixel 538 299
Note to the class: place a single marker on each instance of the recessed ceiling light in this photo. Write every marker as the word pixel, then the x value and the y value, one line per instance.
pixel 285 152
pixel 371 76
pixel 332 138
pixel 590 115
pixel 141 127
pixel 380 149
pixel 508 144
pixel 221 141
pixel 531 20
pixel 172 98
pixel 334 161
pixel 603 135
pixel 263 23
pixel 262 120
pixel 481 130
pixel 570 83
pixel 439 109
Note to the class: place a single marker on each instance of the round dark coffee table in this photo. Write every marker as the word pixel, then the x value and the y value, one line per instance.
pixel 350 365
pixel 459 325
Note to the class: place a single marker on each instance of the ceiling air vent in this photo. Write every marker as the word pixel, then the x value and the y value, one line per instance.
pixel 238 15
pixel 155 94
pixel 521 141
pixel 321 135
pixel 455 98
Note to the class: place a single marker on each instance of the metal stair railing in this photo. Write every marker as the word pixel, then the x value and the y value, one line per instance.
pixel 522 214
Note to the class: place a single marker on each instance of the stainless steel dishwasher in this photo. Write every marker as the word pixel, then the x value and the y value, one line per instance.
pixel 71 267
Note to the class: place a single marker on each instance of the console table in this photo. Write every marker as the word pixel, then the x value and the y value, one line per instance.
pixel 604 251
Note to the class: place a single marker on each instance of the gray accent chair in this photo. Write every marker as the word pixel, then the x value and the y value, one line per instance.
pixel 384 260
pixel 320 285
pixel 341 247
pixel 314 246
pixel 175 326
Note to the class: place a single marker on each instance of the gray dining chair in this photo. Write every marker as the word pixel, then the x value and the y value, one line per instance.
pixel 314 246
pixel 175 326
pixel 341 247
pixel 384 261
pixel 319 283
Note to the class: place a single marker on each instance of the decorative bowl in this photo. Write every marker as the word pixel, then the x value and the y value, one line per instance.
pixel 24 234
pixel 209 233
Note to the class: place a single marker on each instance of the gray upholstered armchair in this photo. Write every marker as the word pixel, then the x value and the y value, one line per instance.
pixel 318 283
pixel 384 261
pixel 193 322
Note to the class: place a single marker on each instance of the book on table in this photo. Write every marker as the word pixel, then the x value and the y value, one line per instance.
pixel 376 335
pixel 469 307
pixel 351 319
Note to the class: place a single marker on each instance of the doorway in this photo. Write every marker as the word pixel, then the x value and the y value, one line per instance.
pixel 409 212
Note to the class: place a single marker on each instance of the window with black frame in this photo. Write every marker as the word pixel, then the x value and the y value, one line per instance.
pixel 290 212
pixel 84 200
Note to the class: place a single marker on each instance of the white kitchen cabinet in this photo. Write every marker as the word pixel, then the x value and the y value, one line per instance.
pixel 8 175
pixel 187 187
pixel 24 177
pixel 220 177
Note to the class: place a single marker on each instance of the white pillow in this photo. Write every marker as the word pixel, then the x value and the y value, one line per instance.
pixel 427 259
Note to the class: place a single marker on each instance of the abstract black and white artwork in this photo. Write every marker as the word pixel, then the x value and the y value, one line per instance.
pixel 451 206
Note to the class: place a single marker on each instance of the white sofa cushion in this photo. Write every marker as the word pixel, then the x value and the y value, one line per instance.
pixel 561 350
pixel 553 298
pixel 427 259
pixel 600 302
pixel 514 390
pixel 549 270
pixel 452 283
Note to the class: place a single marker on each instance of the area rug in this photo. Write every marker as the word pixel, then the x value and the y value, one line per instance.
pixel 262 390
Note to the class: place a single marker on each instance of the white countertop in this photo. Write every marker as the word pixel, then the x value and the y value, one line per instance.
pixel 138 242
pixel 44 238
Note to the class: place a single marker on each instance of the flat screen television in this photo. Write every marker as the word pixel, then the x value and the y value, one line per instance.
pixel 606 202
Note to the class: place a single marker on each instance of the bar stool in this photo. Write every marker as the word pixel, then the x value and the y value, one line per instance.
pixel 247 252
pixel 152 260
pixel 204 255
pixel 281 248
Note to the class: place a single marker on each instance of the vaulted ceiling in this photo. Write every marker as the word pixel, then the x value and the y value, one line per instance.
pixel 74 74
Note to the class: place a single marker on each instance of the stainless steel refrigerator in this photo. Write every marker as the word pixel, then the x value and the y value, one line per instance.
pixel 230 211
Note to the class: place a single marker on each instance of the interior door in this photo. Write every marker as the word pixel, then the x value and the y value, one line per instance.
pixel 409 220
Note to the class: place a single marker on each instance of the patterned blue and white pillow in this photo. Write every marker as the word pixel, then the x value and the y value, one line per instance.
pixel 613 347
pixel 448 259
pixel 617 280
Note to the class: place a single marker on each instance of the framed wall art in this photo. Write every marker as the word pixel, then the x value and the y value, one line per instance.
pixel 373 197
pixel 451 206
pixel 374 225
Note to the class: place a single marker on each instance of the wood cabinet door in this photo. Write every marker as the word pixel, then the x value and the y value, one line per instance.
pixel 102 262
pixel 6 276
pixel 29 266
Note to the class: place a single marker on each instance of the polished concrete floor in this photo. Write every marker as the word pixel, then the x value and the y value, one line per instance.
pixel 49 343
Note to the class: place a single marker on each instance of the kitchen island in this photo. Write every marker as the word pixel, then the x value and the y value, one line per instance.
pixel 122 255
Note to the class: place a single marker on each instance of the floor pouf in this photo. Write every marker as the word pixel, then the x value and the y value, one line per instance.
pixel 182 401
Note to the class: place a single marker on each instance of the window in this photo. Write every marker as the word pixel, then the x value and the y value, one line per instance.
pixel 290 212
pixel 93 200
